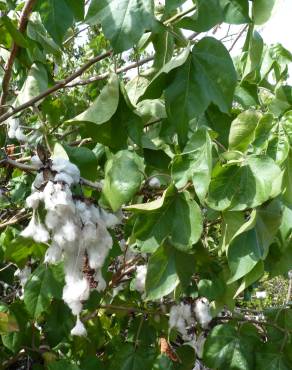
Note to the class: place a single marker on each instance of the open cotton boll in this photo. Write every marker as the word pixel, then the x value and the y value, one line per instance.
pixel 36 231
pixel 38 181
pixel 101 283
pixel 13 124
pixel 63 165
pixel 140 278
pixel 109 219
pixel 98 251
pixel 202 311
pixel 36 162
pixel 79 328
pixel 53 254
pixel 23 274
pixel 20 136
pixel 64 177
pixel 69 231
pixel 75 291
pixel 33 200
pixel 52 220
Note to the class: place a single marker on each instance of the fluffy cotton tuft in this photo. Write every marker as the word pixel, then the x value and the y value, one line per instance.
pixel 63 165
pixel 36 230
pixel 79 329
pixel 140 278
pixel 75 291
pixel 53 254
pixel 34 199
pixel 154 183
pixel 101 283
pixel 35 161
pixel 180 317
pixel 15 131
pixel 202 311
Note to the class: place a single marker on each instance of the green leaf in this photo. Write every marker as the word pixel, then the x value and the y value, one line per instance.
pixel 269 358
pixel 208 14
pixel 286 122
pixel 185 265
pixel 57 17
pixel 161 278
pixel 45 283
pixel 195 163
pixel 254 275
pixel 175 215
pixel 123 21
pixel 242 130
pixel 254 57
pixel 208 76
pixel 123 178
pixel 262 10
pixel 36 83
pixel 287 179
pixel 129 358
pixel 104 106
pixel 263 130
pixel 85 160
pixel 77 7
pixel 62 365
pixel 235 11
pixel 229 348
pixel 247 186
pixel 17 36
pixel 8 323
pixel 159 82
pixel 59 322
pixel 278 145
pixel 244 252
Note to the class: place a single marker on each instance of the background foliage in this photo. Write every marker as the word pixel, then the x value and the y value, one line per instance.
pixel 195 149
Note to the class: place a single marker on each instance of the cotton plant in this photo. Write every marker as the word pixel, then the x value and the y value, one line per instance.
pixel 15 131
pixel 73 228
pixel 183 316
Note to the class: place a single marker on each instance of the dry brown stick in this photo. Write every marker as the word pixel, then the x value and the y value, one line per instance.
pixel 8 67
pixel 58 86
pixel 103 76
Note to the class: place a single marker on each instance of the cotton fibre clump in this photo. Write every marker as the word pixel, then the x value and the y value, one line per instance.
pixel 15 131
pixel 140 278
pixel 74 228
pixel 183 316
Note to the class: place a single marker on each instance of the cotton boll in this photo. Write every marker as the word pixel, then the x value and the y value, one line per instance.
pixel 53 254
pixel 69 231
pixel 140 278
pixel 64 177
pixel 36 162
pixel 32 201
pixel 101 283
pixel 52 220
pixel 13 124
pixel 75 291
pixel 23 275
pixel 20 136
pixel 89 234
pixel 79 328
pixel 202 311
pixel 154 183
pixel 95 214
pixel 38 181
pixel 36 231
pixel 109 219
pixel 98 252
pixel 73 262
pixel 63 165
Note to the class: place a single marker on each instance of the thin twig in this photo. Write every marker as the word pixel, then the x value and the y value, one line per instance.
pixel 26 11
pixel 238 37
pixel 58 86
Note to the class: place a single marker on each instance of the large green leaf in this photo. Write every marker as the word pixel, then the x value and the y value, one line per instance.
pixel 123 177
pixel 35 83
pixel 195 163
pixel 159 82
pixel 242 130
pixel 17 36
pixel 161 278
pixel 45 283
pixel 208 76
pixel 287 180
pixel 127 357
pixel 254 56
pixel 77 8
pixel 227 347
pixel 244 252
pixel 262 10
pixel 123 21
pixel 235 11
pixel 84 159
pixel 247 186
pixel 270 358
pixel 57 17
pixel 175 215
pixel 254 275
pixel 104 106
